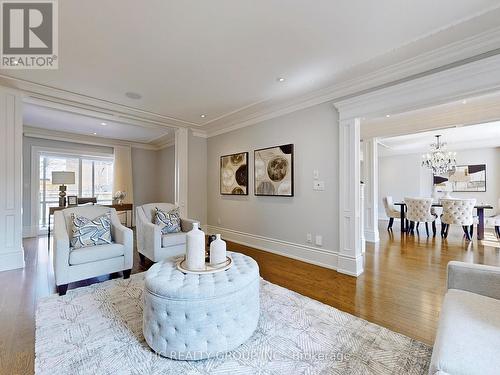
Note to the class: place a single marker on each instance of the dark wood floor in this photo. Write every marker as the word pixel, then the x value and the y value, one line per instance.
pixel 401 289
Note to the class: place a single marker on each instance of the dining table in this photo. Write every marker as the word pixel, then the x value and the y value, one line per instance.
pixel 480 216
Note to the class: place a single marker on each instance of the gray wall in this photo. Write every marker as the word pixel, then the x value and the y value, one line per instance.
pixel 166 167
pixel 314 132
pixel 197 178
pixel 28 142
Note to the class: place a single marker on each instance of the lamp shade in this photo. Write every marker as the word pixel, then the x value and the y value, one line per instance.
pixel 63 178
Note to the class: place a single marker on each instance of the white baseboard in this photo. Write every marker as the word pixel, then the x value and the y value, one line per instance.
pixel 12 260
pixel 320 257
pixel 372 235
pixel 349 265
pixel 29 231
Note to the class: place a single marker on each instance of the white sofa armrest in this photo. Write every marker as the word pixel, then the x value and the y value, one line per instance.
pixel 61 249
pixel 474 278
pixel 124 236
pixel 187 224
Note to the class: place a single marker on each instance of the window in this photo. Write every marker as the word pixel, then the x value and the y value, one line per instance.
pixel 93 178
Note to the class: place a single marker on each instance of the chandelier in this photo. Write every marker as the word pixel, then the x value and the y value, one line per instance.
pixel 438 159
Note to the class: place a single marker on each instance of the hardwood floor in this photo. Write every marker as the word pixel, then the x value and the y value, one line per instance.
pixel 401 289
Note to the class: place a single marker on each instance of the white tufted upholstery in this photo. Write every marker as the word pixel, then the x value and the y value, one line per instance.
pixel 419 210
pixel 390 209
pixel 191 316
pixel 150 242
pixel 458 211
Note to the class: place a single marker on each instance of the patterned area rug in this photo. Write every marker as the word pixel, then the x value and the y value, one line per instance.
pixel 98 330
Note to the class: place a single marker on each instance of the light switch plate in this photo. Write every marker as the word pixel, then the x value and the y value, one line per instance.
pixel 309 238
pixel 316 174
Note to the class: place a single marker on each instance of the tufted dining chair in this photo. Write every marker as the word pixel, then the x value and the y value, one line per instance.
pixel 458 212
pixel 419 211
pixel 494 221
pixel 390 210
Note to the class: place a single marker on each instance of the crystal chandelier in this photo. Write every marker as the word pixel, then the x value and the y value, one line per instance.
pixel 439 160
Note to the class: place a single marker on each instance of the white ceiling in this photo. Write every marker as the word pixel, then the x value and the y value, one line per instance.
pixel 221 57
pixel 457 138
pixel 50 119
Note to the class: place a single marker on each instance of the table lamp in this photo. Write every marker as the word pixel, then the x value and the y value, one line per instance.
pixel 63 178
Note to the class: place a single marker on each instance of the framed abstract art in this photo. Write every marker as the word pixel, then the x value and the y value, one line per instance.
pixel 274 171
pixel 234 174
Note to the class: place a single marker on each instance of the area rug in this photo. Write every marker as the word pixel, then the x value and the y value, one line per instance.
pixel 98 330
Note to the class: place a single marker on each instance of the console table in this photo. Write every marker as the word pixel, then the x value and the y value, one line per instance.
pixel 127 207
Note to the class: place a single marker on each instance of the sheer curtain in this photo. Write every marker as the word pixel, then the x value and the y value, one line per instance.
pixel 122 180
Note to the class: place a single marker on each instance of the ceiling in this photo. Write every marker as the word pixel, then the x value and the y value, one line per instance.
pixel 223 57
pixel 457 138
pixel 53 120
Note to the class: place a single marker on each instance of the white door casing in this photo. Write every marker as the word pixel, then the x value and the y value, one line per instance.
pixel 11 152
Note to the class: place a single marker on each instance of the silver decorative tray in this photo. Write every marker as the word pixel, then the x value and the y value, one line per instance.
pixel 181 263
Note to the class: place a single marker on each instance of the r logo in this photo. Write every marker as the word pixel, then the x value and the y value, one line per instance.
pixel 27 28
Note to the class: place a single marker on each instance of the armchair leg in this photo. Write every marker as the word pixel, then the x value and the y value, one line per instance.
pixel 427 228
pixel 62 289
pixel 434 228
pixel 126 274
pixel 446 230
pixel 391 221
pixel 142 258
pixel 472 231
pixel 497 230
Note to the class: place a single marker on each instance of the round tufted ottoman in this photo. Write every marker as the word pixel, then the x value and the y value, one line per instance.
pixel 192 317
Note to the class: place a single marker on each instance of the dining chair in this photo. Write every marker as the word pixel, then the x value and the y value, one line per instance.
pixel 458 212
pixel 419 211
pixel 390 210
pixel 494 221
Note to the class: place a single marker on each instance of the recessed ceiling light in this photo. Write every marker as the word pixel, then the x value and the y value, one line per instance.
pixel 280 79
pixel 133 95
pixel 203 116
pixel 464 101
pixel 15 62
pixel 94 133
pixel 103 124
pixel 387 116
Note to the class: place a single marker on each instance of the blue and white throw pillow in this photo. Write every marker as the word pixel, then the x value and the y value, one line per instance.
pixel 87 232
pixel 169 221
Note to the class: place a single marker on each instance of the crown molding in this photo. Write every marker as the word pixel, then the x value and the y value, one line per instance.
pixel 474 48
pixel 199 133
pixel 476 78
pixel 39 93
pixel 478 110
pixel 54 135
pixel 463 52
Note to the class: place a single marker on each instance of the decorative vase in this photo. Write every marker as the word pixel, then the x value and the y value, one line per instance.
pixel 217 251
pixel 195 249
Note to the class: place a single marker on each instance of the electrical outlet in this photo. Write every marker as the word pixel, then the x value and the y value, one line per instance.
pixel 319 240
pixel 319 185
pixel 309 238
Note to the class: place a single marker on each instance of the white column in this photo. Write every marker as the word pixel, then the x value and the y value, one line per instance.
pixel 370 174
pixel 350 258
pixel 181 170
pixel 11 155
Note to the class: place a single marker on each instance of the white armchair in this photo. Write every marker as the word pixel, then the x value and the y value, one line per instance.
pixel 72 265
pixel 150 241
